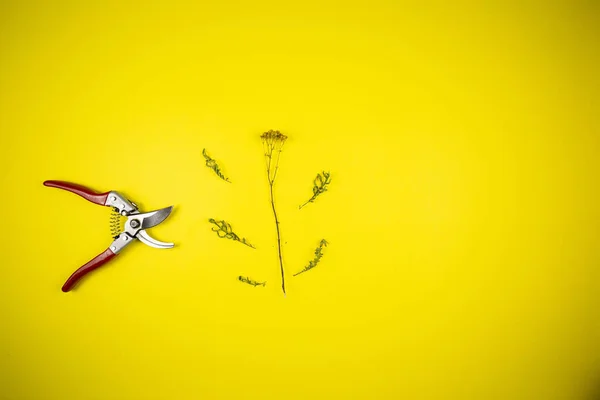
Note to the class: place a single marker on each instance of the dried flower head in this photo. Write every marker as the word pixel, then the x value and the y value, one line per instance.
pixel 273 142
pixel 273 136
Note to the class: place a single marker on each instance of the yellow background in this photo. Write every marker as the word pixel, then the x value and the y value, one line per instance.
pixel 463 142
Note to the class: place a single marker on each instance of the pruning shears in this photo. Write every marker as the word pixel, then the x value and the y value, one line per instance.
pixel 134 228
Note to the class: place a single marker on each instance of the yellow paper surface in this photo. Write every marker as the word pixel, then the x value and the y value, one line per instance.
pixel 462 216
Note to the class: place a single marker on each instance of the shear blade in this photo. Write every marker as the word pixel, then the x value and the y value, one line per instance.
pixel 154 218
pixel 150 241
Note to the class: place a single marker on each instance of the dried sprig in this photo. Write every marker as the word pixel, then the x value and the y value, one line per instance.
pixel 212 164
pixel 320 186
pixel 318 254
pixel 224 230
pixel 249 281
pixel 273 142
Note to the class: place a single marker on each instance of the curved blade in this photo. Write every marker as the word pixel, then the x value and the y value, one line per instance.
pixel 150 241
pixel 154 218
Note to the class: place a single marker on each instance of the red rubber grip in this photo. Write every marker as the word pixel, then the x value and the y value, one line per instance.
pixel 91 265
pixel 86 193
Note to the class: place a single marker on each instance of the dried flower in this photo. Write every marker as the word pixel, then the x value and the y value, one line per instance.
pixel 273 142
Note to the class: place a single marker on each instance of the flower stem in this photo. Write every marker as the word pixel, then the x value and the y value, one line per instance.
pixel 278 237
pixel 273 143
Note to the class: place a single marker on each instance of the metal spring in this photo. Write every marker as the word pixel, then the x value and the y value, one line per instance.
pixel 115 223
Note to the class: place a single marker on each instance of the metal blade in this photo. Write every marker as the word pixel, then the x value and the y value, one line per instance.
pixel 154 218
pixel 150 241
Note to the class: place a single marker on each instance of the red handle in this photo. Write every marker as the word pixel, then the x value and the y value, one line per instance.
pixel 86 193
pixel 91 265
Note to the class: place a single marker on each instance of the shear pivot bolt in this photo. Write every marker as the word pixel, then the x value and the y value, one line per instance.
pixel 134 223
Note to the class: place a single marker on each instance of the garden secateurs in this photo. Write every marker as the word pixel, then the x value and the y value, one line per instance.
pixel 134 228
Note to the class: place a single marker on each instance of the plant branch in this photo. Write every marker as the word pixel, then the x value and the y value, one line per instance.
pixel 252 282
pixel 224 231
pixel 320 184
pixel 212 164
pixel 318 254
